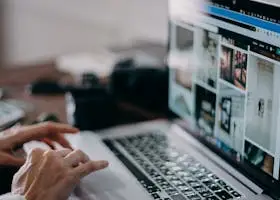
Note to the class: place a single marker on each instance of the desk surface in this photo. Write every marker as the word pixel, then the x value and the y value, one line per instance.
pixel 14 80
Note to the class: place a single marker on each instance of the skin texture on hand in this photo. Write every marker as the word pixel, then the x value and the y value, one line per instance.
pixel 17 136
pixel 53 175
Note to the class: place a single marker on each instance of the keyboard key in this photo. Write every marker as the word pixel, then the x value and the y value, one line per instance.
pixel 195 184
pixel 235 194
pixel 194 197
pixel 214 187
pixel 165 185
pixel 156 196
pixel 212 198
pixel 189 193
pixel 206 194
pixel 191 180
pixel 178 197
pixel 201 176
pixel 171 191
pixel 228 188
pixel 184 174
pixel 208 182
pixel 177 183
pixel 200 189
pixel 184 188
pixel 222 183
pixel 152 189
pixel 224 195
pixel 213 177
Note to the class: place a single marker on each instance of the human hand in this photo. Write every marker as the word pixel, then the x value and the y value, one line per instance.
pixel 53 175
pixel 17 136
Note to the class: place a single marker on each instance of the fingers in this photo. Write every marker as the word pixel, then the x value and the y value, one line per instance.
pixel 59 139
pixel 37 153
pixel 10 160
pixel 43 130
pixel 76 157
pixel 85 169
pixel 48 142
pixel 52 127
pixel 63 152
pixel 76 162
pixel 62 141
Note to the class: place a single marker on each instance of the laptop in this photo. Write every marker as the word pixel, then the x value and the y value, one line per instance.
pixel 224 59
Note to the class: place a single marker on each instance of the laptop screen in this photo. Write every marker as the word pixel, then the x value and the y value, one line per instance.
pixel 224 58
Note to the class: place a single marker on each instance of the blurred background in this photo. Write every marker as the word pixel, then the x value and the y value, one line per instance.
pixel 37 30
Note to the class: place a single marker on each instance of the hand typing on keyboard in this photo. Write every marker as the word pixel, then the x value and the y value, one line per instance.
pixel 12 139
pixel 46 173
pixel 53 175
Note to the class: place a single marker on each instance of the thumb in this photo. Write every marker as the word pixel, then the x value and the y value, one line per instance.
pixel 10 160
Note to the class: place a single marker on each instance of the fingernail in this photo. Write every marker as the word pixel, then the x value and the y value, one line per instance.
pixel 104 163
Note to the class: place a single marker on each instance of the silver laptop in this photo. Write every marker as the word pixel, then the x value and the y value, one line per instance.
pixel 224 85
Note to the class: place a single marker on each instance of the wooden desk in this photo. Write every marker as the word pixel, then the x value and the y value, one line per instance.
pixel 14 81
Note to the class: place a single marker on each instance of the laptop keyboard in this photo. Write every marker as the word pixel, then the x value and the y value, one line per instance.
pixel 167 173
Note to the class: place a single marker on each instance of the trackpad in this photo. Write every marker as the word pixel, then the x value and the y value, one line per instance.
pixel 102 181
